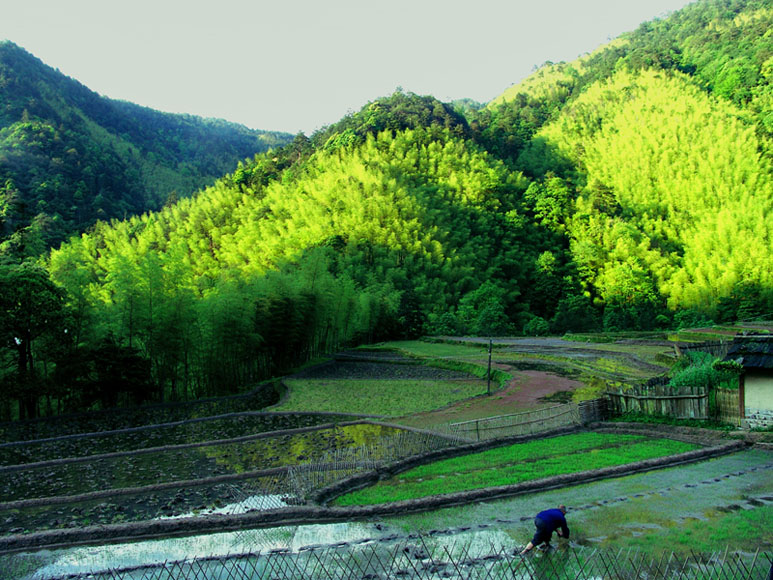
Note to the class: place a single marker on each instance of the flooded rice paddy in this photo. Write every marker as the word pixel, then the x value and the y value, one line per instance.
pixel 600 514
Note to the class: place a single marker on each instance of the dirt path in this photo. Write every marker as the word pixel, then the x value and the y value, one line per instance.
pixel 525 392
pixel 529 388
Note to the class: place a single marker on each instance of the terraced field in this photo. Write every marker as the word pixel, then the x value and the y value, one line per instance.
pixel 254 453
pixel 516 463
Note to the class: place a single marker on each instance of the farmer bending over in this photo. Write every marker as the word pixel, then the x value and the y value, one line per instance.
pixel 547 522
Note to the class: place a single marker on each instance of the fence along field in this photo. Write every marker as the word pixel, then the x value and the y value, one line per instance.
pixel 524 423
pixel 420 558
pixel 684 402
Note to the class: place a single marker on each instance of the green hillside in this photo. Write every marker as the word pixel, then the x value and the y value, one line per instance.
pixel 69 157
pixel 628 190
pixel 674 191
pixel 651 156
pixel 724 46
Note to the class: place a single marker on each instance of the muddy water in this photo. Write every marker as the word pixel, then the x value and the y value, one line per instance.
pixel 600 513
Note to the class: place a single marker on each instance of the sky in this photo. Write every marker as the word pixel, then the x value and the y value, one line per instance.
pixel 299 65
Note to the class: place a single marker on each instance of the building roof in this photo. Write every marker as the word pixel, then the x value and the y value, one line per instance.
pixel 752 352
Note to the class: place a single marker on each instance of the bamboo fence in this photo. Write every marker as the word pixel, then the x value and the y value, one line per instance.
pixel 686 402
pixel 416 559
pixel 513 424
pixel 729 407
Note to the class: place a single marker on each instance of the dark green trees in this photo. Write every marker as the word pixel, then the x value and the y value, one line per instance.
pixel 69 157
pixel 630 189
pixel 31 312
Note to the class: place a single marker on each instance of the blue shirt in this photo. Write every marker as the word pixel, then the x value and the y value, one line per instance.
pixel 553 519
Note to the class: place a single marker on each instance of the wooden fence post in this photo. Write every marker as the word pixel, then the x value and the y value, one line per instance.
pixel 488 375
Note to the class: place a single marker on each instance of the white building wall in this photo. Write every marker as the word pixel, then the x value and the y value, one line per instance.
pixel 758 398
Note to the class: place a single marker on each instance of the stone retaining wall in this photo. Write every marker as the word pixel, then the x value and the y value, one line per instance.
pixel 758 418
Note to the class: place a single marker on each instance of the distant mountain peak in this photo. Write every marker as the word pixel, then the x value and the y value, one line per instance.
pixel 104 159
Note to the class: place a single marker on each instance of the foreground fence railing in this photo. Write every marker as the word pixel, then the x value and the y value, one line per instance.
pixel 418 560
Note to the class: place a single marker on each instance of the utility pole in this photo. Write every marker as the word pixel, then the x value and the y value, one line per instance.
pixel 488 375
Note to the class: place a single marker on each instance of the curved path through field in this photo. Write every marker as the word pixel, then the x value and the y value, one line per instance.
pixel 545 368
pixel 525 392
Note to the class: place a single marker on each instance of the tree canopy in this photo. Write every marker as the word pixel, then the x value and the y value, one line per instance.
pixel 627 190
pixel 69 157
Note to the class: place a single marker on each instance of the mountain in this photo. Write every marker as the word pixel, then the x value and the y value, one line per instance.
pixel 628 190
pixel 662 141
pixel 69 156
pixel 723 46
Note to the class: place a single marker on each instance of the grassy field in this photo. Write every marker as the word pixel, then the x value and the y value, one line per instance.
pixel 516 464
pixel 743 530
pixel 389 398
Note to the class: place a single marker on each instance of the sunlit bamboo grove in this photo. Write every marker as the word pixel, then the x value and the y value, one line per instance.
pixel 628 190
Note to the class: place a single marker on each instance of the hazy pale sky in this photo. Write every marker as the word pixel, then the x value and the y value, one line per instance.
pixel 298 65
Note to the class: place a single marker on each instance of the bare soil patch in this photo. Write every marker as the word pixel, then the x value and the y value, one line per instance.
pixel 525 392
pixel 530 387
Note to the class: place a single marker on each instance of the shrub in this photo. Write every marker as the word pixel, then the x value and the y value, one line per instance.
pixel 700 369
pixel 536 327
pixel 691 319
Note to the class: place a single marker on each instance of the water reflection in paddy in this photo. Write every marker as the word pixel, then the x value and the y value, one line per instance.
pixel 600 512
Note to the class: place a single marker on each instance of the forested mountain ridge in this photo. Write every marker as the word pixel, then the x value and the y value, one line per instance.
pixel 673 192
pixel 662 139
pixel 69 156
pixel 724 46
pixel 629 190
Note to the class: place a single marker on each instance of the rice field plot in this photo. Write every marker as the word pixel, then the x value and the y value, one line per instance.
pixel 180 433
pixel 112 419
pixel 388 398
pixel 641 511
pixel 358 370
pixel 724 502
pixel 384 389
pixel 253 493
pixel 614 361
pixel 182 463
pixel 264 473
pixel 515 464
pixel 439 349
